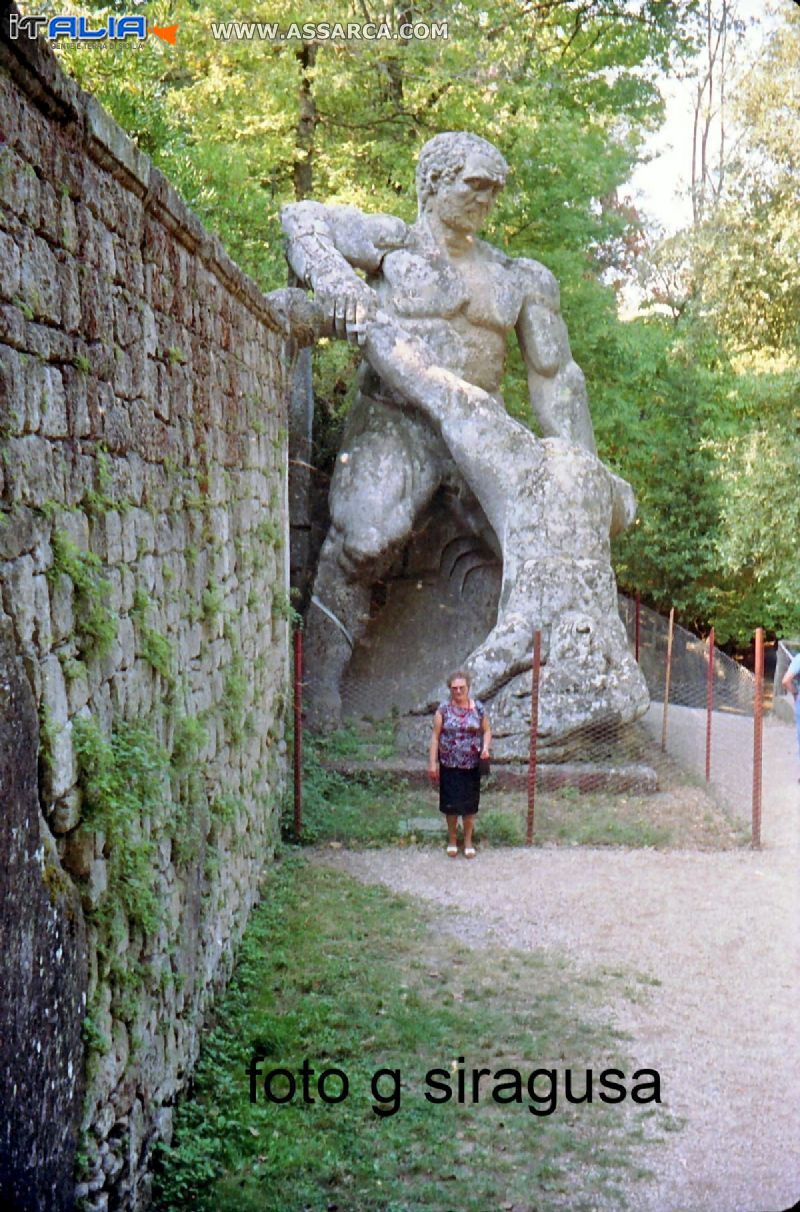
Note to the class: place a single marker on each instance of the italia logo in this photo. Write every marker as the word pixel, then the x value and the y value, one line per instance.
pixel 81 29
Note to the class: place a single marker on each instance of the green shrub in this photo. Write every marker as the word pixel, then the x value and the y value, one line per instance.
pixel 95 622
pixel 156 649
pixel 125 796
pixel 189 737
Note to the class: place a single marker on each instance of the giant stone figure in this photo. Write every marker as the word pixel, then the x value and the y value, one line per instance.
pixel 432 312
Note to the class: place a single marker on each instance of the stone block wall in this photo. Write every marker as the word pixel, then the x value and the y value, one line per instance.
pixel 143 578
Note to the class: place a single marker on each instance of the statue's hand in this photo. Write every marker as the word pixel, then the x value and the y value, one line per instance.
pixel 348 306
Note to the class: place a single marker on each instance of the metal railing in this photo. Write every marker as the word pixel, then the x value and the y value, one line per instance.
pixel 706 714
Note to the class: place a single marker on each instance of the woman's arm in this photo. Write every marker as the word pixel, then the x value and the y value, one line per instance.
pixel 789 676
pixel 487 736
pixel 433 752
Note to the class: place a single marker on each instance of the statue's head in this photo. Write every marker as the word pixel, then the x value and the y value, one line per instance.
pixel 456 154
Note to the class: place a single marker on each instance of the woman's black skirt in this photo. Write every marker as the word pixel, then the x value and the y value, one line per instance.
pixel 459 790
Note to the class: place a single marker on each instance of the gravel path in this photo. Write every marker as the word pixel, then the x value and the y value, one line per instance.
pixel 718 931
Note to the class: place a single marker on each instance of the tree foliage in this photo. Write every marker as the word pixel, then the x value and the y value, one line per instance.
pixel 736 271
pixel 564 87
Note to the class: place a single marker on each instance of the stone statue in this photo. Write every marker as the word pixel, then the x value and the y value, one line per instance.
pixel 432 313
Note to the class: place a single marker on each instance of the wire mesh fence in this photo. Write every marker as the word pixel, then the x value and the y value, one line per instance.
pixel 786 650
pixel 704 706
pixel 698 743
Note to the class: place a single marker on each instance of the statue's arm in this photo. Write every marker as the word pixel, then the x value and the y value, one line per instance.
pixel 555 381
pixel 326 245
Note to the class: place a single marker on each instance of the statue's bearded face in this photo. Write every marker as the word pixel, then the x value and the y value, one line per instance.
pixel 464 202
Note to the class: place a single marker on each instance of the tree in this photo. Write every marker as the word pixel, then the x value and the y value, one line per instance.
pixel 751 281
pixel 732 276
pixel 760 513
pixel 564 87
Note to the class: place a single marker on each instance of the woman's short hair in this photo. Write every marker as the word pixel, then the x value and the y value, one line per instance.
pixel 459 673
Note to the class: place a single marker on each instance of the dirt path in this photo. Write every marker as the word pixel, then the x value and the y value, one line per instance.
pixel 717 931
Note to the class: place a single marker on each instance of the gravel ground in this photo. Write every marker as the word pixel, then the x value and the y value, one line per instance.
pixel 717 931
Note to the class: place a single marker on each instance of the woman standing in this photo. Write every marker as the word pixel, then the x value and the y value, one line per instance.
pixel 460 741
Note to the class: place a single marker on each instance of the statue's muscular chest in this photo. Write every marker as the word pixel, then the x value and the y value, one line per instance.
pixel 477 290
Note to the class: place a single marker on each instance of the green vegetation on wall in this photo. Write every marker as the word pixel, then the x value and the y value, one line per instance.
pixel 124 778
pixel 137 796
pixel 95 621
pixel 155 647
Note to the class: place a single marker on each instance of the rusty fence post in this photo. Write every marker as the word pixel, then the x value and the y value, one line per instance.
pixel 537 667
pixel 758 725
pixel 709 702
pixel 637 626
pixel 667 675
pixel 298 733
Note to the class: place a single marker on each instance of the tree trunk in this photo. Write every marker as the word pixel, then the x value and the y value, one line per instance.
pixel 303 172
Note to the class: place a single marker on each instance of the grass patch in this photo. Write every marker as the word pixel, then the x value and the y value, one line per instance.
pixel 339 808
pixel 358 740
pixel 569 818
pixel 375 809
pixel 369 807
pixel 355 978
pixel 678 817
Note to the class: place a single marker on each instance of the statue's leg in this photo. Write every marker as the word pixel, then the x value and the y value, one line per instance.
pixel 557 546
pixel 553 506
pixel 496 454
pixel 557 561
pixel 386 472
pixel 335 619
pixel 484 441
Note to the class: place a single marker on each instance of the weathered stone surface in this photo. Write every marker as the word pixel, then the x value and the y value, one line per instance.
pixel 429 413
pixel 42 972
pixel 19 532
pixel 10 261
pixel 13 404
pixel 33 468
pixel 96 886
pixel 12 326
pixel 62 615
pixel 60 772
pixel 67 812
pixel 17 580
pixel 39 280
pixel 132 352
pixel 115 150
pixel 69 226
pixel 79 853
pixel 41 599
pixel 53 419
pixel 70 298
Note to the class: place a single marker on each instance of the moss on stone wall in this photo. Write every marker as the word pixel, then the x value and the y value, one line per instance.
pixel 142 524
